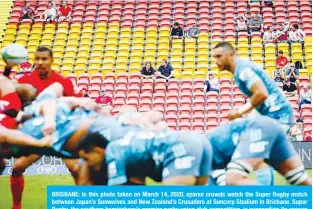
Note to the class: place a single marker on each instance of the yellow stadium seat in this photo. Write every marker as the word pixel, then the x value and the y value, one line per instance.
pixel 55 66
pixel 225 74
pixel 308 39
pixel 187 75
pixel 284 47
pixel 304 73
pixel 200 74
pixel 9 37
pixel 22 42
pixel 177 73
pixel 256 41
pixel 309 68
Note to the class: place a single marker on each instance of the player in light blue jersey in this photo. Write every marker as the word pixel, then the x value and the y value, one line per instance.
pixel 264 94
pixel 173 158
pixel 244 144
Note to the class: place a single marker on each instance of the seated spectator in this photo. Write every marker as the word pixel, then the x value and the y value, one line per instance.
pixel 269 35
pixel 147 71
pixel 281 60
pixel 84 92
pixel 282 32
pixel 103 100
pixel 211 83
pixel 296 131
pixel 305 95
pixel 255 23
pixel 193 32
pixel 165 70
pixel 65 12
pixel 50 14
pixel 290 89
pixel 292 73
pixel 308 138
pixel 279 77
pixel 176 33
pixel 269 3
pixel 296 34
pixel 27 12
pixel 241 23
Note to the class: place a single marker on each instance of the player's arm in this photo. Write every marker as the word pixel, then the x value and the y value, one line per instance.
pixel 15 137
pixel 258 90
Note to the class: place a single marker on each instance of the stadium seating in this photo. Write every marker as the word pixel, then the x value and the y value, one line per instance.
pixel 106 43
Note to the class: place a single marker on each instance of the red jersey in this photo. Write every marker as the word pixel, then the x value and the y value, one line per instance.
pixel 7 122
pixel 10 101
pixel 104 100
pixel 34 80
pixel 65 11
pixel 281 61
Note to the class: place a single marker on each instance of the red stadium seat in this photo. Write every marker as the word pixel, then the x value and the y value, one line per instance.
pixel 172 96
pixel 134 82
pixel 184 118
pixel 306 108
pixel 132 103
pixel 212 102
pixel 120 89
pixel 171 118
pixel 198 95
pixel 159 96
pixel 147 89
pixel 185 102
pixel 198 110
pixel 159 103
pixel 134 89
pixel 171 110
pixel 158 109
pixel 198 118
pixel 160 89
pixel 225 110
pixel 173 89
pixel 133 96
pixel 212 95
pixel 239 101
pixel 185 95
pixel 145 96
pixel 95 84
pixel 210 126
pixel 172 126
pixel 185 110
pixel 184 126
pixel 145 103
pixel 147 82
pixel 171 103
pixel 120 96
pixel 82 84
pixel 198 127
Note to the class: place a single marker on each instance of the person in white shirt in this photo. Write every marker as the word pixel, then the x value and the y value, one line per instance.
pixel 296 34
pixel 269 35
pixel 211 83
pixel 305 95
pixel 51 13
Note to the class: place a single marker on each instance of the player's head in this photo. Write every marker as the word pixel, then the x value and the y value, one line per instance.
pixel 64 3
pixel 26 93
pixel 50 5
pixel 256 16
pixel 92 149
pixel 43 62
pixel 210 75
pixel 270 28
pixel 224 55
pixel 27 4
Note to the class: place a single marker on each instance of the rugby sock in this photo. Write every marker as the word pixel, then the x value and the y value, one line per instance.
pixel 17 187
pixel 265 176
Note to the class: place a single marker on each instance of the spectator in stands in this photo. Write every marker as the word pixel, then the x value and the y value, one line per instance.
pixel 282 32
pixel 292 73
pixel 103 100
pixel 50 14
pixel 281 60
pixel 27 12
pixel 147 71
pixel 269 35
pixel 65 12
pixel 241 23
pixel 279 77
pixel 269 3
pixel 255 23
pixel 290 89
pixel 211 83
pixel 296 131
pixel 43 76
pixel 193 32
pixel 296 34
pixel 84 92
pixel 176 33
pixel 165 70
pixel 305 95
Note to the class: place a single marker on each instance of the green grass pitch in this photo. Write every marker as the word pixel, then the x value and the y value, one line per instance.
pixel 35 189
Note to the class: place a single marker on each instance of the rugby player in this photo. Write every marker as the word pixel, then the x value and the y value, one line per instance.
pixel 173 158
pixel 264 95
pixel 244 144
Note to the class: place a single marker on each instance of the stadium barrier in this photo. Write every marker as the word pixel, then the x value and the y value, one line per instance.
pixel 53 165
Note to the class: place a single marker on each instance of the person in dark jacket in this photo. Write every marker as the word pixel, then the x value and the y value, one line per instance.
pixel 147 71
pixel 165 70
pixel 176 32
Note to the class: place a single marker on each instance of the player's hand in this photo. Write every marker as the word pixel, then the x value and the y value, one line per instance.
pixel 46 141
pixel 234 114
pixel 49 128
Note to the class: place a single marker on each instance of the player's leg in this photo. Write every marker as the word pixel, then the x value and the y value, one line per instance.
pixel 73 166
pixel 17 178
pixel 238 171
pixel 288 163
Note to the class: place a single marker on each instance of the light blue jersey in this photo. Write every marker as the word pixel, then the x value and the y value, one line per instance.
pixel 276 105
pixel 167 154
pixel 247 139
